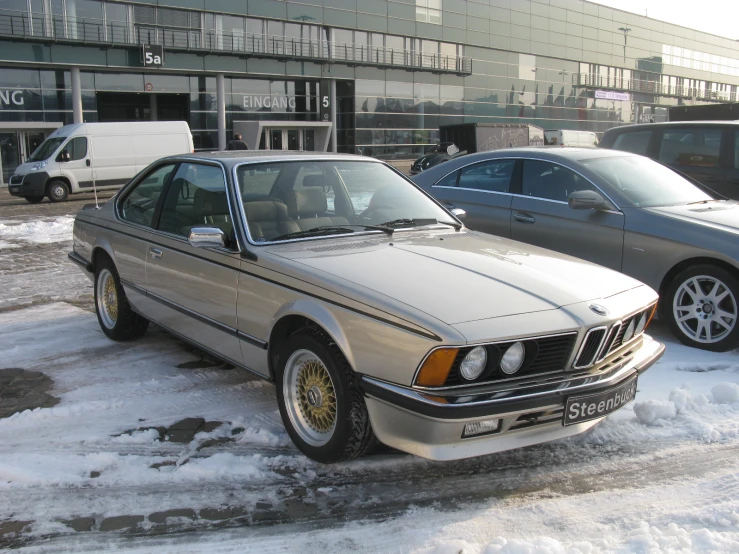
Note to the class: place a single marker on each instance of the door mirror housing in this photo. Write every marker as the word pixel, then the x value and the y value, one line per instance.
pixel 586 200
pixel 64 156
pixel 459 213
pixel 452 149
pixel 207 237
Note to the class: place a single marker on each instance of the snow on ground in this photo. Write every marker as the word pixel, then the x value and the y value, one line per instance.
pixel 659 475
pixel 43 231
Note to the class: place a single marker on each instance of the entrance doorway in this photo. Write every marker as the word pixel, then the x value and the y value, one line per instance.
pixel 15 148
pixel 127 106
pixel 288 139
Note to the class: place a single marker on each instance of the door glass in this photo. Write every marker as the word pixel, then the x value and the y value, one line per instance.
pixel 9 154
pixel 449 181
pixel 77 148
pixel 138 206
pixel 196 197
pixel 292 139
pixel 691 147
pixel 276 136
pixel 309 143
pixel 493 176
pixel 550 181
pixel 636 143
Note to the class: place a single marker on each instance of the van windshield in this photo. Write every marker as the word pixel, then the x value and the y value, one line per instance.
pixel 46 149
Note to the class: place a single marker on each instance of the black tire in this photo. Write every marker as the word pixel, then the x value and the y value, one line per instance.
pixel 724 336
pixel 57 191
pixel 352 434
pixel 34 199
pixel 127 324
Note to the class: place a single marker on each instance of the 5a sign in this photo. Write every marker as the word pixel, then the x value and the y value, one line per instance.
pixel 152 55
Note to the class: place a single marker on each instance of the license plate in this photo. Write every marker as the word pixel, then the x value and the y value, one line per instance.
pixel 593 406
pixel 13 189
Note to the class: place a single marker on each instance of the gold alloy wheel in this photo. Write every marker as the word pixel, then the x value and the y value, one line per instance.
pixel 107 298
pixel 310 397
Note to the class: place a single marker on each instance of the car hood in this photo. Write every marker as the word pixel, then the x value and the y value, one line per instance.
pixel 24 169
pixel 722 215
pixel 463 276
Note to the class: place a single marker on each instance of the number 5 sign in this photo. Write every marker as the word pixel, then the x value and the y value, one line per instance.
pixel 152 55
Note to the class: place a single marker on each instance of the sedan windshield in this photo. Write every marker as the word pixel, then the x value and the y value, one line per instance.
pixel 289 200
pixel 645 182
pixel 46 149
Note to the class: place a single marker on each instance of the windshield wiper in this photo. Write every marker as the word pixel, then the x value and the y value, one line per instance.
pixel 330 230
pixel 406 222
pixel 703 201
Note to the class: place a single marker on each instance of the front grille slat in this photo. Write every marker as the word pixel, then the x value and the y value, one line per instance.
pixel 591 346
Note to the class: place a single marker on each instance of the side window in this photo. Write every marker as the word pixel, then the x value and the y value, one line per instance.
pixel 77 148
pixel 691 147
pixel 449 181
pixel 493 176
pixel 635 143
pixel 138 205
pixel 551 181
pixel 196 197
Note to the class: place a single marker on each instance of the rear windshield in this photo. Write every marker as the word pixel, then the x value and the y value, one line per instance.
pixel 46 149
pixel 645 182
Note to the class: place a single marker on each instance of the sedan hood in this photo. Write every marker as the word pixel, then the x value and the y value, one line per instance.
pixel 722 215
pixel 461 276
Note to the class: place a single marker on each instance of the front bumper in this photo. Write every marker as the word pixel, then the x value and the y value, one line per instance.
pixel 431 425
pixel 31 184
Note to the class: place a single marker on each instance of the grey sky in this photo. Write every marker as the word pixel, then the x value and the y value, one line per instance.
pixel 718 17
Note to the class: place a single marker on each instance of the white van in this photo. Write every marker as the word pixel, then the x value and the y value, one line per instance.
pixel 76 157
pixel 580 139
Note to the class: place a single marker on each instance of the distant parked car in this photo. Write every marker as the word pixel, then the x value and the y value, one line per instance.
pixel 707 151
pixel 422 163
pixel 581 139
pixel 616 209
pixel 372 309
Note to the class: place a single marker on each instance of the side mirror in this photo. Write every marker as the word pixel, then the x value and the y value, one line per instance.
pixel 207 237
pixel 459 213
pixel 64 156
pixel 586 200
pixel 452 149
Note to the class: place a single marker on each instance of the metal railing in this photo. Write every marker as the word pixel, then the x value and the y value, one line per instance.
pixel 591 80
pixel 48 27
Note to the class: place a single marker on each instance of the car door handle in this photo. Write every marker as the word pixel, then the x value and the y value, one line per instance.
pixel 523 218
pixel 155 253
pixel 87 163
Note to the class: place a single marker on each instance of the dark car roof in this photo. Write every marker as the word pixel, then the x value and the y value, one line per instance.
pixel 235 157
pixel 647 126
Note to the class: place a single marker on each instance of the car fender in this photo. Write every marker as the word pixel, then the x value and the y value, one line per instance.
pixel 102 242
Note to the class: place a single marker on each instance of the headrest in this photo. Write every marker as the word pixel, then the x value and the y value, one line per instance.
pixel 309 201
pixel 210 202
pixel 265 210
pixel 316 180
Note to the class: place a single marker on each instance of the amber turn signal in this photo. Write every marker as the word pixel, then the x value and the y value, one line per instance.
pixel 436 367
pixel 651 316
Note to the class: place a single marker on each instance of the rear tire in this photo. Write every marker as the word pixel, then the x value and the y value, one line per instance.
pixel 117 320
pixel 57 191
pixel 320 402
pixel 34 199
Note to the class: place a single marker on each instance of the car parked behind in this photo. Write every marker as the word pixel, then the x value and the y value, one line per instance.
pixel 707 151
pixel 616 209
pixel 565 137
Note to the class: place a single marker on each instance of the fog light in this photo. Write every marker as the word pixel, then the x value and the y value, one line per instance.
pixel 474 363
pixel 481 427
pixel 512 360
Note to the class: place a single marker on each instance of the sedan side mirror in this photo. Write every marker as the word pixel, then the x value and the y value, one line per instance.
pixel 586 200
pixel 207 237
pixel 459 213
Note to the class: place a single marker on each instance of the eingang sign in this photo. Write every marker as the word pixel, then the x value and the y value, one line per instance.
pixel 252 101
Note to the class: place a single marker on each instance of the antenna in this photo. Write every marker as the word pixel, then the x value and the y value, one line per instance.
pixel 94 183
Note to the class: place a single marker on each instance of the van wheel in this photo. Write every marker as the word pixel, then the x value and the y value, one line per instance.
pixel 117 320
pixel 57 191
pixel 320 403
pixel 34 199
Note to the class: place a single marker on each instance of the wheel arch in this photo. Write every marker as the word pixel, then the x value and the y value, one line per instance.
pixel 300 314
pixel 99 252
pixel 684 264
pixel 62 178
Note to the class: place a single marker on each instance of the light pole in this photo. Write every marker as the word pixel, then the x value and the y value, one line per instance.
pixel 625 31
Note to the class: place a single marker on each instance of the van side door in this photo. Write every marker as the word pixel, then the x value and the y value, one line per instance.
pixel 75 163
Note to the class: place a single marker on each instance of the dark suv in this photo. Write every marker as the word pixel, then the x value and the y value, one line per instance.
pixel 707 151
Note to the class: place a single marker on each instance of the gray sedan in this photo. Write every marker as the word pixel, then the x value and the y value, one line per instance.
pixel 616 209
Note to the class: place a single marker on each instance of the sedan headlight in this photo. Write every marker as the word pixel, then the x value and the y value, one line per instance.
pixel 474 363
pixel 513 358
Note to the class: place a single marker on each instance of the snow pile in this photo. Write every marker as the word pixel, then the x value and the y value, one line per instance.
pixel 39 232
pixel 726 393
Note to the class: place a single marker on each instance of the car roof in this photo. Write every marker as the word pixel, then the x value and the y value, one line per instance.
pixel 235 157
pixel 553 153
pixel 643 126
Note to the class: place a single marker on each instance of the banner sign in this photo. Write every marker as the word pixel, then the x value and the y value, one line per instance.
pixel 610 95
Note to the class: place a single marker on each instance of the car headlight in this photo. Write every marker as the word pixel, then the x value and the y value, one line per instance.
pixel 474 363
pixel 629 334
pixel 513 358
pixel 40 165
pixel 642 324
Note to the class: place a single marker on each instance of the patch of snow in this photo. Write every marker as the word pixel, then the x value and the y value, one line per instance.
pixel 651 411
pixel 726 393
pixel 44 231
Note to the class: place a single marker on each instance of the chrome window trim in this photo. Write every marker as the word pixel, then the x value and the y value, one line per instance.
pixel 485 343
pixel 585 341
pixel 476 190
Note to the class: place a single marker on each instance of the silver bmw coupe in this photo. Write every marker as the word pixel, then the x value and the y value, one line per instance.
pixel 373 310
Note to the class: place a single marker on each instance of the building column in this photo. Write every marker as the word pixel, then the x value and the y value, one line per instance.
pixel 332 100
pixel 153 106
pixel 76 96
pixel 221 107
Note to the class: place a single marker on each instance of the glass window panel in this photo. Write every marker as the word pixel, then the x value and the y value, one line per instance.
pixel 693 147
pixel 550 181
pixel 492 176
pixel 636 143
pixel 138 206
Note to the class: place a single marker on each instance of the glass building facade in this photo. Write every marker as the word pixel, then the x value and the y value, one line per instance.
pixel 400 68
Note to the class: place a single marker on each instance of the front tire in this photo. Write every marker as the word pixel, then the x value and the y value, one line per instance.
pixel 117 320
pixel 319 399
pixel 34 199
pixel 57 191
pixel 701 308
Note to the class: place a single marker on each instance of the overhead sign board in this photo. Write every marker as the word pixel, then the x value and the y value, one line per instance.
pixel 152 55
pixel 611 95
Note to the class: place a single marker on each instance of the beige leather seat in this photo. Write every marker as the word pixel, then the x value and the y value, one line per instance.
pixel 268 219
pixel 308 205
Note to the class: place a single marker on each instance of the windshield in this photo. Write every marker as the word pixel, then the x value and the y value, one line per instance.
pixel 46 149
pixel 285 200
pixel 645 182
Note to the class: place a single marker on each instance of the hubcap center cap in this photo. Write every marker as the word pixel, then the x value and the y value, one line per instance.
pixel 314 396
pixel 707 309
